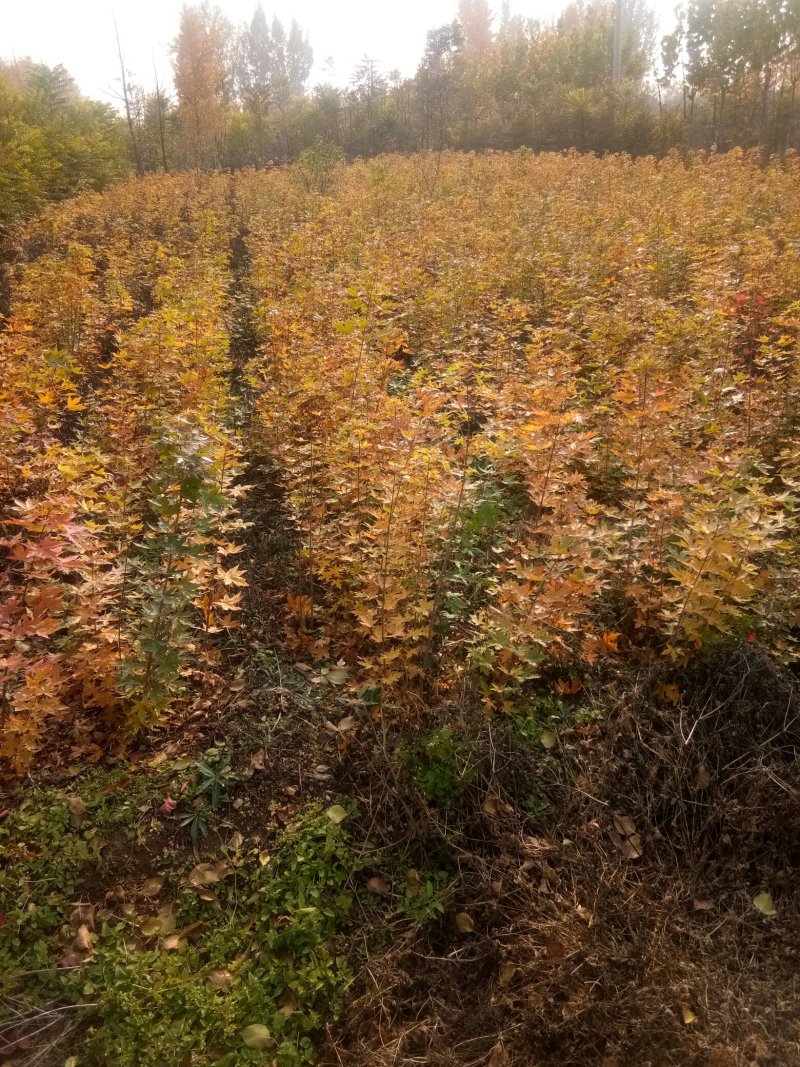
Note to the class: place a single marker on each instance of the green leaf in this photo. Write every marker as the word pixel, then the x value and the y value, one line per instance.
pixel 257 1036
pixel 763 902
pixel 336 813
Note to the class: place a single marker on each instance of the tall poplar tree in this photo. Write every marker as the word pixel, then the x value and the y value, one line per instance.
pixel 200 67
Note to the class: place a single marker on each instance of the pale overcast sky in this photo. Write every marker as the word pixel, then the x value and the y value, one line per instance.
pixel 80 33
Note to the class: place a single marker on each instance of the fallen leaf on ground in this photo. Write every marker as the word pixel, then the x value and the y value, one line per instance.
pixel 377 885
pixel 625 837
pixel 166 916
pixel 207 873
pixel 413 882
pixel 287 1005
pixel 152 887
pixel 83 939
pixel 258 759
pixel 82 913
pixel 548 739
pixel 667 693
pixel 77 811
pixel 464 923
pixel 220 979
pixel 624 824
pixel 702 779
pixel 568 686
pixel 506 974
pixel 336 675
pixel 257 1036
pixel 498 1057
pixel 336 813
pixel 763 902
pixel 689 1016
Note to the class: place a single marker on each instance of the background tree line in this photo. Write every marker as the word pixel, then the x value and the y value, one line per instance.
pixel 53 141
pixel 726 75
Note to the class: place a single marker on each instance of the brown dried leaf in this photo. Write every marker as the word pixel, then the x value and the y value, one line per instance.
pixel 667 693
pixel 498 1057
pixel 258 759
pixel 624 824
pixel 207 873
pixel 287 1005
pixel 702 905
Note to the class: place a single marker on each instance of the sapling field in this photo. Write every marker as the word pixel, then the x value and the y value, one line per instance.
pixel 399 608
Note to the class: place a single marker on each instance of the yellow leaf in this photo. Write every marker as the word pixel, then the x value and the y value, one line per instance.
pixel 763 902
pixel 257 1036
pixel 413 882
pixel 464 923
pixel 336 813
pixel 548 739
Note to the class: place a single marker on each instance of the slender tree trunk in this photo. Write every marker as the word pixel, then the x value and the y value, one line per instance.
pixel 135 147
pixel 764 97
pixel 617 57
pixel 790 122
pixel 162 140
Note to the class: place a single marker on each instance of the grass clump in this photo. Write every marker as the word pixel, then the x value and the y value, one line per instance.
pixel 250 971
